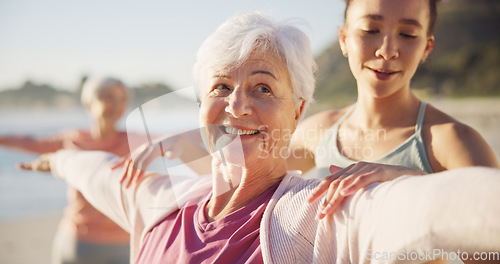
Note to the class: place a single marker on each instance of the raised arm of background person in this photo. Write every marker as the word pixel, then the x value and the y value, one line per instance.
pixel 32 144
pixel 307 136
pixel 451 144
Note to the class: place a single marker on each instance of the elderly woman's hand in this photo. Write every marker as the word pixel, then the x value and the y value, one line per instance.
pixel 40 164
pixel 344 182
pixel 185 147
pixel 135 165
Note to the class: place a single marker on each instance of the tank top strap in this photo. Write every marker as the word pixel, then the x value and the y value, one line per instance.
pixel 420 118
pixel 344 117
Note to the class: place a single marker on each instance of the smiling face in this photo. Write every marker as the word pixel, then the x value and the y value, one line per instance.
pixel 256 102
pixel 110 103
pixel 384 41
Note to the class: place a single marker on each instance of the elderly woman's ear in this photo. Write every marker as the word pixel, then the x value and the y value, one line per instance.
pixel 299 110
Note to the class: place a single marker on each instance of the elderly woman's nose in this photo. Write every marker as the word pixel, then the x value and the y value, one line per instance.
pixel 238 104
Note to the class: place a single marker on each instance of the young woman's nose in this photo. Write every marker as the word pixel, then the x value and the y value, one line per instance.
pixel 388 49
pixel 238 104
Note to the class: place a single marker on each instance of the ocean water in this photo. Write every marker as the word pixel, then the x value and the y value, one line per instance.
pixel 27 193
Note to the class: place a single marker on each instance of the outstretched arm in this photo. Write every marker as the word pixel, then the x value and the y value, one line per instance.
pixel 347 181
pixel 187 147
pixel 135 209
pixel 31 144
pixel 444 212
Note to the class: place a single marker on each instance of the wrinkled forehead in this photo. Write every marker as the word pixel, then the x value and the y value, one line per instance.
pixel 259 59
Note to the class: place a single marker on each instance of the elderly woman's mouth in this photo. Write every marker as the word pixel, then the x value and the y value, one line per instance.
pixel 239 131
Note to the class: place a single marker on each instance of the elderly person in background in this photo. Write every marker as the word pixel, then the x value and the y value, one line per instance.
pixel 256 78
pixel 85 235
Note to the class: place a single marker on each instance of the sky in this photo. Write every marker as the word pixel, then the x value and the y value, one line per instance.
pixel 56 42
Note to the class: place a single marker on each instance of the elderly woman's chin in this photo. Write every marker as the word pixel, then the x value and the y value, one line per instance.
pixel 242 150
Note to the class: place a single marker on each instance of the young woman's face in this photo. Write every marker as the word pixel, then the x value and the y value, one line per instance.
pixel 384 41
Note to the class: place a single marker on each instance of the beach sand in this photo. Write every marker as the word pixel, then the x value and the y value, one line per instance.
pixel 29 240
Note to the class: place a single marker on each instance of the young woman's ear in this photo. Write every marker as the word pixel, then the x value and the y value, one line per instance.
pixel 428 48
pixel 342 38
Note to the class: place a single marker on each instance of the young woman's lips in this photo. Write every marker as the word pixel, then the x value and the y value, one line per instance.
pixel 383 75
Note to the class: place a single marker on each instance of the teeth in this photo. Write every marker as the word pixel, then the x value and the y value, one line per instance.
pixel 235 131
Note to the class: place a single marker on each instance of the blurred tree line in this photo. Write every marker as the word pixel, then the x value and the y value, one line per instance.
pixel 40 96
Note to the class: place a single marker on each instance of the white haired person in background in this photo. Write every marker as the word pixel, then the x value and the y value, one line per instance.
pixel 85 235
pixel 255 77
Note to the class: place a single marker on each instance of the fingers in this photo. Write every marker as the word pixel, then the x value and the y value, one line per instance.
pixel 41 164
pixel 24 166
pixel 336 185
pixel 125 172
pixel 350 180
pixel 132 167
pixel 334 197
pixel 325 184
pixel 330 198
pixel 360 182
pixel 120 163
pixel 334 169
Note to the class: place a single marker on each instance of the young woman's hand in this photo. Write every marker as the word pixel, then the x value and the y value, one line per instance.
pixel 347 181
pixel 42 163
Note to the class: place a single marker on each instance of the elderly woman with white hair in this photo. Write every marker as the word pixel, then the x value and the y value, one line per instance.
pixel 256 78
pixel 85 235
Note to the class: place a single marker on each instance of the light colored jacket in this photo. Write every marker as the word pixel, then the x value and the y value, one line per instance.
pixel 388 222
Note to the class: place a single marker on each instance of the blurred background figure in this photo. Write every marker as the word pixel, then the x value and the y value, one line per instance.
pixel 84 234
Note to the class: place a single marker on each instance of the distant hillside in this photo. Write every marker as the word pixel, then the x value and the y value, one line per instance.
pixel 43 96
pixel 38 96
pixel 465 60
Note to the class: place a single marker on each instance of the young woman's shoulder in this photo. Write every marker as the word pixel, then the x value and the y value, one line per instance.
pixel 311 129
pixel 452 144
pixel 325 119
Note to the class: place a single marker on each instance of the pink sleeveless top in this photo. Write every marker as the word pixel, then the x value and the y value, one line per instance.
pixel 187 237
pixel 80 218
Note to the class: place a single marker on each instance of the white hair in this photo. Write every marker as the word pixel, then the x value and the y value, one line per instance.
pixel 235 40
pixel 93 86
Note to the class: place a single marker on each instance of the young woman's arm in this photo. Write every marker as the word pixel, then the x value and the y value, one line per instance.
pixel 451 144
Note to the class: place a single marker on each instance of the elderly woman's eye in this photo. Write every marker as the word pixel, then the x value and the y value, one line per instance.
pixel 220 90
pixel 264 90
pixel 222 87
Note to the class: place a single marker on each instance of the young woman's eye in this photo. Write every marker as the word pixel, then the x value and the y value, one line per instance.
pixel 408 36
pixel 370 31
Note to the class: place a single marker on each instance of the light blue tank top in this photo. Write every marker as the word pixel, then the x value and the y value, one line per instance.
pixel 410 153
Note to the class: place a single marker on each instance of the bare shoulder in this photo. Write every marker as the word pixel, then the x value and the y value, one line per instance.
pixel 452 144
pixel 310 130
pixel 324 119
